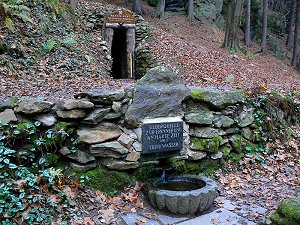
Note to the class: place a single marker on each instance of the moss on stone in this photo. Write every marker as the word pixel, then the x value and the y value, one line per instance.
pixel 211 145
pixel 238 143
pixel 198 94
pixel 106 180
pixel 236 157
pixel 146 173
pixel 225 150
pixel 288 213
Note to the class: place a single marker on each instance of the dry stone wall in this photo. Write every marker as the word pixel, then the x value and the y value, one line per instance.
pixel 217 123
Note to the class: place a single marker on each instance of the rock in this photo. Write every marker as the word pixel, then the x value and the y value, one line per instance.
pixel 71 114
pixel 196 155
pixel 210 145
pixel 34 106
pixel 205 11
pixel 64 151
pixel 119 165
pixel 137 146
pixel 219 99
pixel 217 155
pixel 223 121
pixel 237 142
pixel 47 120
pixel 133 156
pixel 125 140
pixel 199 117
pixel 288 212
pixel 113 115
pixel 101 96
pixel 226 149
pixel 205 132
pixel 100 133
pixel 83 167
pixel 116 106
pixel 219 6
pixel 158 94
pixel 233 130
pixel 9 103
pixel 76 104
pixel 8 116
pixel 246 133
pixel 111 149
pixel 245 118
pixel 96 116
pixel 81 157
pixel 138 132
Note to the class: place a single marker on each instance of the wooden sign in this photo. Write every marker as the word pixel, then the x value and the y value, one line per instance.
pixel 121 17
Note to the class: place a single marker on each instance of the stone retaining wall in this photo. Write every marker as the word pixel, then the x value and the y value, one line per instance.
pixel 217 123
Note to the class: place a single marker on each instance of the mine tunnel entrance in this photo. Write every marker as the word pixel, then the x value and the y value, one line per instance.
pixel 119 54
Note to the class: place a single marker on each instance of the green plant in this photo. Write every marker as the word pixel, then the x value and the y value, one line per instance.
pixel 11 9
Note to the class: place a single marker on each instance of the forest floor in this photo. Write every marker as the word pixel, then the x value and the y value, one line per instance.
pixel 194 52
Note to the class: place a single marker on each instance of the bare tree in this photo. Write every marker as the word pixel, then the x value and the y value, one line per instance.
pixel 248 20
pixel 296 35
pixel 138 7
pixel 160 9
pixel 265 26
pixel 289 40
pixel 233 24
pixel 190 16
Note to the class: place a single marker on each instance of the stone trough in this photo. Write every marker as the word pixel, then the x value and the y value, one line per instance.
pixel 196 194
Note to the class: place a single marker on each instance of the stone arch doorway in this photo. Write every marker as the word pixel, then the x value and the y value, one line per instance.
pixel 119 33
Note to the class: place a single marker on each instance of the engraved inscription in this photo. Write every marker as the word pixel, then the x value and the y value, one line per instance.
pixel 162 137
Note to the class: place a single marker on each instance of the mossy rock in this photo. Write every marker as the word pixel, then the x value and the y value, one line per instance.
pixel 236 157
pixel 210 145
pixel 288 212
pixel 238 143
pixel 106 180
pixel 219 99
pixel 226 150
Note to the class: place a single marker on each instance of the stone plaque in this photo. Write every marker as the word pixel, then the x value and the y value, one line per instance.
pixel 162 135
pixel 120 17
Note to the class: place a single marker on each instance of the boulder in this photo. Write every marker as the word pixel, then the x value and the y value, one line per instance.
pixel 223 121
pixel 245 118
pixel 113 115
pixel 218 99
pixel 199 117
pixel 111 149
pixel 137 146
pixel 247 133
pixel 205 132
pixel 288 212
pixel 76 104
pixel 34 106
pixel 71 114
pixel 119 164
pixel 102 96
pixel 217 155
pixel 8 116
pixel 81 157
pixel 47 120
pixel 64 151
pixel 158 94
pixel 116 106
pixel 196 155
pixel 96 116
pixel 100 133
pixel 209 145
pixel 204 11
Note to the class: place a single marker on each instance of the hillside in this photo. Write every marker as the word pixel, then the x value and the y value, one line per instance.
pixel 74 62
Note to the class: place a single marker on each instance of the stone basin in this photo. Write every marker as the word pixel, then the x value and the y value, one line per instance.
pixel 188 194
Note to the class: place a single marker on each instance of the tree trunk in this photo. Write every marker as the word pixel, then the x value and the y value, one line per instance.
pixel 289 40
pixel 160 9
pixel 138 7
pixel 265 26
pixel 233 24
pixel 247 33
pixel 191 11
pixel 296 35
